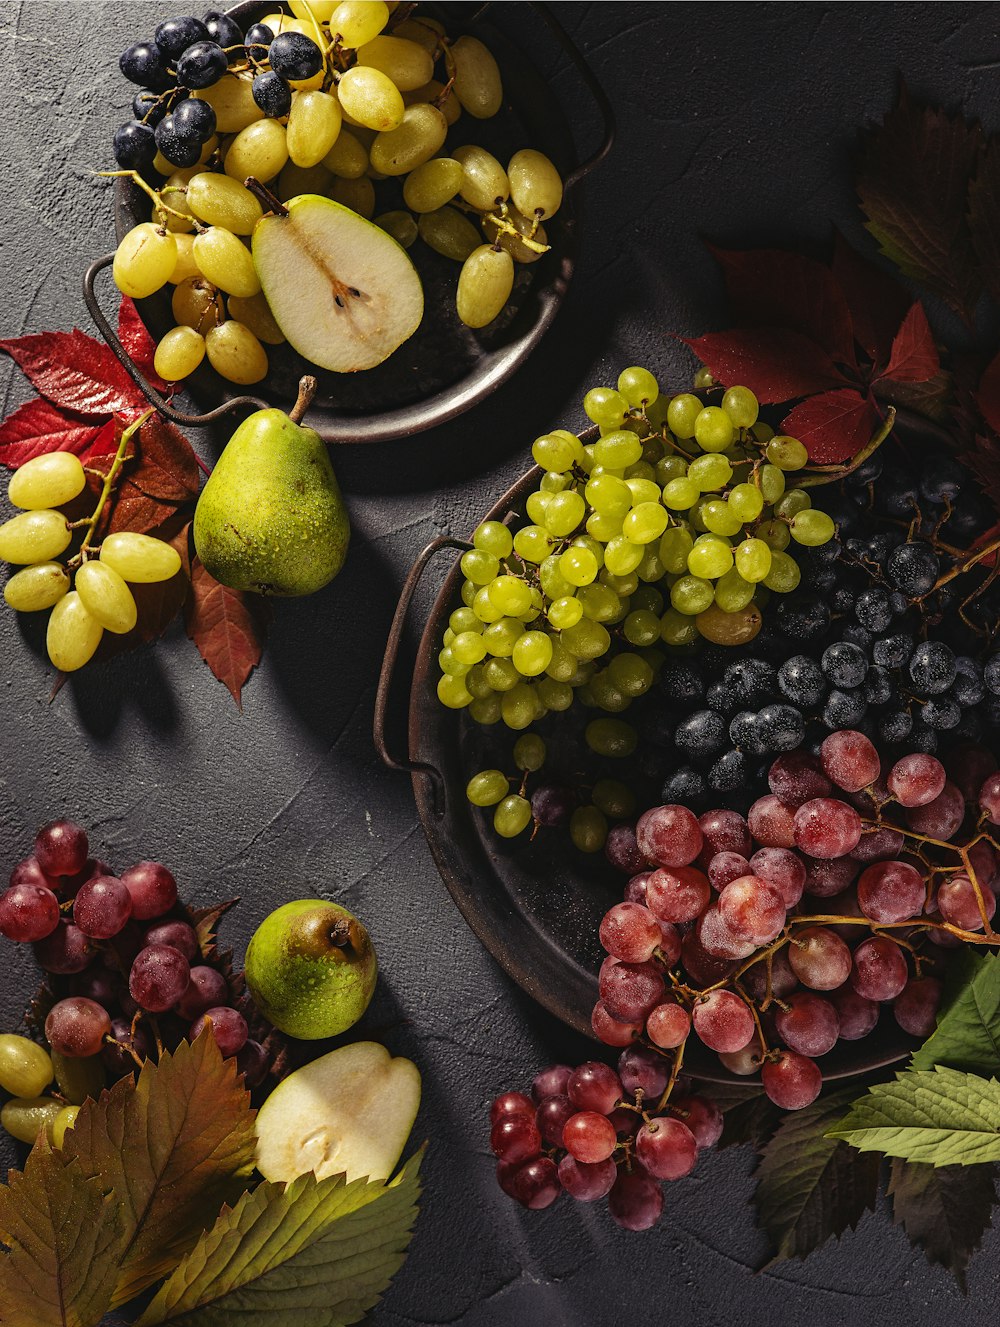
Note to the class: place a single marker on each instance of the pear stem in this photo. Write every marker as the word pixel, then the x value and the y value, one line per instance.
pixel 307 390
pixel 345 934
pixel 265 197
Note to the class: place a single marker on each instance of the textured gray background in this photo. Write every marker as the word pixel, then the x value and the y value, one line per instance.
pixel 736 121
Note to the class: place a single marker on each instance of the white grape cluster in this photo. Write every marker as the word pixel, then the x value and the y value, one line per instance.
pixel 89 593
pixel 374 111
pixel 673 526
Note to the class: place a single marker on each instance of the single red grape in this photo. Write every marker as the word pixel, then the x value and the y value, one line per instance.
pixel 772 823
pixel 916 780
pixel 66 950
pixel 726 867
pixel 153 890
pixel 782 868
pixel 879 971
pixel 551 1082
pixel 551 1116
pixel 622 850
pixel 827 877
pixel 797 777
pixel 723 1021
pixel 635 1201
pixel 724 831
pixel 587 1183
pixel 857 1015
pixel 178 935
pixel 594 1086
pixel 669 836
pixel 630 932
pixel 629 990
pixel 679 895
pixel 536 1184
pixel 76 1027
pixel 791 1081
pixel 667 1148
pixel 229 1028
pixel 916 1006
pixel 510 1103
pixel 643 1070
pixel 589 1137
pixel 783 978
pixel 819 958
pixel 878 845
pixel 611 1030
pixel 957 903
pixel 668 1025
pixel 102 907
pixel 826 827
pixel 753 908
pixel 891 892
pixel 61 848
pixel 942 817
pixel 809 1024
pixel 635 890
pixel 28 912
pixel 515 1138
pixel 159 977
pixel 206 987
pixel 701 1116
pixel 850 760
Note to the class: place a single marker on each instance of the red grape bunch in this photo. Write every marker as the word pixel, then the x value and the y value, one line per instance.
pixel 124 961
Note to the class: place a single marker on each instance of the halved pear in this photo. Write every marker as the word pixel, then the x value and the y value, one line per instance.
pixel 344 293
pixel 350 1111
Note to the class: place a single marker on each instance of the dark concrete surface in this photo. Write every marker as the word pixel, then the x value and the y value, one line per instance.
pixel 737 121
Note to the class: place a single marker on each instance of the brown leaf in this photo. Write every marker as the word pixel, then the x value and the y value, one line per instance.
pixel 984 215
pixel 932 398
pixel 945 1210
pixel 228 628
pixel 913 184
pixel 983 459
pixel 166 467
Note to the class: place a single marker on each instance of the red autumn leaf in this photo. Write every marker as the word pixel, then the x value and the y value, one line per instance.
pixel 833 427
pixel 131 506
pixel 988 395
pixel 166 467
pixel 914 356
pixel 227 626
pixel 38 427
pixel 74 371
pixel 106 442
pixel 783 289
pixel 776 363
pixel 137 341
pixel 877 301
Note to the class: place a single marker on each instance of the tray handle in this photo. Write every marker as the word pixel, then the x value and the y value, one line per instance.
pixel 391 658
pixel 136 374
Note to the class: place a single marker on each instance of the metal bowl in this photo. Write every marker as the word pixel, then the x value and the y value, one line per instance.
pixel 445 368
pixel 536 905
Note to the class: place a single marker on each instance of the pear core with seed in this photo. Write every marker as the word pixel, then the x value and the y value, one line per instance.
pixel 341 289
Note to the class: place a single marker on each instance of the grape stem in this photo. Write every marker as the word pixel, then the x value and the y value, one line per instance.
pixel 829 474
pixel 674 1074
pixel 152 193
pixel 110 479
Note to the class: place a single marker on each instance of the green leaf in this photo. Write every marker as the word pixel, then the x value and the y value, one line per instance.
pixel 946 1210
pixel 810 1186
pixel 63 1231
pixel 944 1118
pixel 968 1030
pixel 323 1251
pixel 172 1147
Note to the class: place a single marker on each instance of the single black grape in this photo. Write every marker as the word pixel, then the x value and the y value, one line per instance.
pixel 932 667
pixel 801 680
pixel 873 609
pixel 752 681
pixel 201 65
pixel 803 616
pixel 913 568
pixel 969 517
pixel 923 739
pixel 685 786
pixel 226 33
pixel 868 471
pixel 991 674
pixel 941 713
pixel 728 773
pixel 180 145
pixel 878 686
pixel 781 727
pixel 175 35
pixel 844 664
pixel 143 63
pixel 701 736
pixel 843 599
pixel 134 146
pixel 895 726
pixel 855 634
pixel 896 495
pixel 968 687
pixel 272 94
pixel 743 733
pixel 258 39
pixel 293 55
pixel 844 708
pixel 893 651
pixel 552 804
pixel 196 116
pixel 681 683
pixel 149 107
pixel 941 480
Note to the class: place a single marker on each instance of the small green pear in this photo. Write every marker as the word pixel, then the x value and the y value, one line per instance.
pixel 271 518
pixel 311 969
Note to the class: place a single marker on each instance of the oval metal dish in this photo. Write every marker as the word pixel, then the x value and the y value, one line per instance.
pixel 445 368
pixel 536 905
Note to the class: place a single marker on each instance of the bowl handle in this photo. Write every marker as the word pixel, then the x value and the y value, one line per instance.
pixel 389 661
pixel 136 374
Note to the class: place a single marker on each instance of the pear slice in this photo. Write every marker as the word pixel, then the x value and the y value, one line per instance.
pixel 350 1111
pixel 344 293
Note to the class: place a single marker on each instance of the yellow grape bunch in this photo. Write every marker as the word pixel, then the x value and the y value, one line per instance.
pixel 356 107
pixel 89 593
pixel 677 523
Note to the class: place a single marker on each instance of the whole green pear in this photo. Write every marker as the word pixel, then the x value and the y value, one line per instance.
pixel 271 518
pixel 311 969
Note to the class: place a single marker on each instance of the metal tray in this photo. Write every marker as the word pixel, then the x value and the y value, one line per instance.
pixel 445 368
pixel 537 905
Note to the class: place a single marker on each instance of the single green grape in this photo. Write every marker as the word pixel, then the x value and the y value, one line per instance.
pixel 703 378
pixel 812 528
pixel 753 559
pixel 651 569
pixel 762 432
pixel 468 647
pixel 771 481
pixel 607 695
pixel 631 674
pixel 791 502
pixel 449 664
pixel 512 817
pixel 495 538
pixel 599 603
pixel 621 556
pixel 487 787
pixel 588 827
pixel 638 386
pixel 710 471
pixel 26 1068
pixel 682 412
pixel 563 666
pixel 586 461
pixel 696 516
pixel 485 710
pixel 643 490
pixel 681 494
pixel 641 627
pixel 618 450
pixel 63 1122
pixel 587 640
pixel 578 565
pixel 453 693
pixel 614 798
pixel 476 683
pixel 554 482
pixel 501 674
pixel 710 558
pixel 537 505
pixel 656 412
pixel 23 1117
pixel 553 582
pixel 623 586
pixel 645 522
pixel 611 737
pixel 784 574
pixel 746 502
pixel 479 567
pixel 566 611
pixel 484 607
pixel 645 471
pixel 448 636
pixel 691 594
pixel 741 406
pixel 678 628
pixel 510 594
pixel 713 429
pixel 530 752
pixel 603 528
pixel 675 546
pixel 556 696
pixel 608 495
pixel 501 636
pixel 468 593
pixel 532 543
pixel 532 653
pixel 786 453
pixel 464 619
pixel 732 592
pixel 775 534
pixel 720 519
pixel 605 406
pixel 670 467
pixel 564 513
pixel 585 541
pixel 555 451
pixel 649 598
pixel 519 707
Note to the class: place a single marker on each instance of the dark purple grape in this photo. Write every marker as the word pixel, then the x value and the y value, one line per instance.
pixel 102 907
pixel 229 1028
pixel 179 935
pixel 160 975
pixel 66 950
pixel 552 805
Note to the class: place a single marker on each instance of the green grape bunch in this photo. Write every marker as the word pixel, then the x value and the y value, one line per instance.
pixel 88 593
pixel 678 522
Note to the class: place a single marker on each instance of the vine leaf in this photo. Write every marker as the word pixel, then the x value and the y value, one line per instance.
pixel 64 1233
pixel 877 301
pixel 776 363
pixel 945 1210
pixel 338 1244
pixel 74 371
pixel 809 1186
pixel 38 427
pixel 913 185
pixel 750 1119
pixel 914 356
pixel 984 215
pixel 832 426
pixel 968 1027
pixel 781 289
pixel 172 1147
pixel 932 398
pixel 943 1118
pixel 227 626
